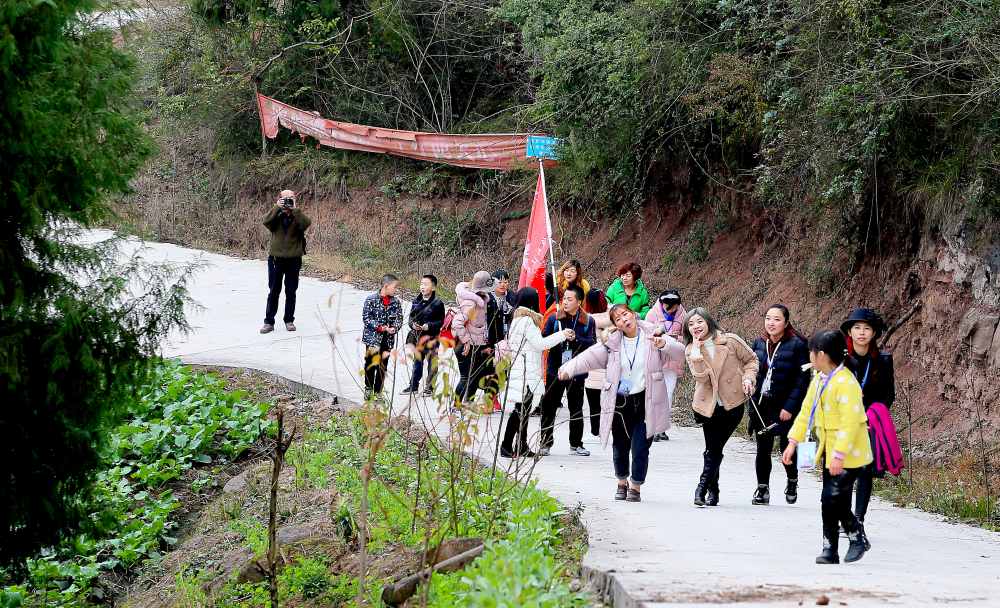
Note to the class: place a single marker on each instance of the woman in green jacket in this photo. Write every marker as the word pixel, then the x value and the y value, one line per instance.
pixel 628 289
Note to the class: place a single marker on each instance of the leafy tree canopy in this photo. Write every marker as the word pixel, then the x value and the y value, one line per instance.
pixel 76 322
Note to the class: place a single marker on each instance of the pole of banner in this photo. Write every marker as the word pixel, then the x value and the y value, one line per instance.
pixel 548 226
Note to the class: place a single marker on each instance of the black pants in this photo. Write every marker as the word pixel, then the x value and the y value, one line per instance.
pixel 279 269
pixel 550 403
pixel 426 351
pixel 719 428
pixel 473 368
pixel 836 502
pixel 765 443
pixel 866 477
pixel 517 426
pixel 594 401
pixel 628 433
pixel 376 361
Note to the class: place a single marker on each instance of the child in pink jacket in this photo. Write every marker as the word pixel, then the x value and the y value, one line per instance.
pixel 669 314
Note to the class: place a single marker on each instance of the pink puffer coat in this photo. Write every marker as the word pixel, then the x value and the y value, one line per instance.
pixel 673 329
pixel 595 379
pixel 470 322
pixel 607 356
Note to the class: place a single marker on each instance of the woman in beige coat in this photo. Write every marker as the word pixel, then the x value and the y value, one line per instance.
pixel 725 371
pixel 634 403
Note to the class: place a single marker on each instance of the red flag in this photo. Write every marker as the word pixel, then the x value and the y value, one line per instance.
pixel 536 247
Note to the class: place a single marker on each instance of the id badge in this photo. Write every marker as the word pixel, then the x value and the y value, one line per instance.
pixel 806 455
pixel 566 356
pixel 624 386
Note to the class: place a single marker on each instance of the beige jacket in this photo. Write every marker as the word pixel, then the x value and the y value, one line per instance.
pixel 721 376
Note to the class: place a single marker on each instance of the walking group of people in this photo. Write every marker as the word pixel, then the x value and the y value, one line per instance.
pixel 623 354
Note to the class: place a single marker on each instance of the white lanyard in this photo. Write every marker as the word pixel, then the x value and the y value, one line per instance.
pixel 766 387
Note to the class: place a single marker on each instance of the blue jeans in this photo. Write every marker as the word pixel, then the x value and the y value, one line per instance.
pixel 278 269
pixel 425 350
pixel 628 434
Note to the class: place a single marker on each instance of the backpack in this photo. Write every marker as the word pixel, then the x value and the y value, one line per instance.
pixel 447 338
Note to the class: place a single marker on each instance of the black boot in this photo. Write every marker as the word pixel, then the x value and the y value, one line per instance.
pixel 864 536
pixel 792 491
pixel 829 554
pixel 859 544
pixel 707 473
pixel 712 496
pixel 762 496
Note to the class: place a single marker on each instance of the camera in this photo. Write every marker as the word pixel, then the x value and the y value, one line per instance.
pixel 288 202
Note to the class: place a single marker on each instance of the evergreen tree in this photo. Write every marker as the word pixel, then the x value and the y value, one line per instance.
pixel 76 324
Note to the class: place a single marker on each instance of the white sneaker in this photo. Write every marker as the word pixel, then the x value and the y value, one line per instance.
pixel 592 439
pixel 580 451
pixel 544 451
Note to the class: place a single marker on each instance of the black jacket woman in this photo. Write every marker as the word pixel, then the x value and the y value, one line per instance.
pixel 874 371
pixel 781 386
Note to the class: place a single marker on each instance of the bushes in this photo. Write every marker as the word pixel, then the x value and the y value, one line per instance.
pixel 177 420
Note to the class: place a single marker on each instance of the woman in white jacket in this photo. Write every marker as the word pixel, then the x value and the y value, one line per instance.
pixel 526 344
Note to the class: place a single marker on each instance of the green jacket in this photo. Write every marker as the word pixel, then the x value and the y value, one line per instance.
pixel 639 301
pixel 286 241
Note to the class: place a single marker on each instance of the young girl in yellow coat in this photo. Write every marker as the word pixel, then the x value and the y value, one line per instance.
pixel 834 408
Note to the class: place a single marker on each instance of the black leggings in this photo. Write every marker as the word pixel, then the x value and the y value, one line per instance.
pixel 594 401
pixel 836 502
pixel 765 443
pixel 719 428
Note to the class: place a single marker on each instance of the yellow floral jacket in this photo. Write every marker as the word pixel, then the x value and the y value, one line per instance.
pixel 840 420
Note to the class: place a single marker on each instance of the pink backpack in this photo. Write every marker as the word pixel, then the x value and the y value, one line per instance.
pixel 888 456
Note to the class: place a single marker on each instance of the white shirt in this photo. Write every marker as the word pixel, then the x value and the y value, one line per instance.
pixel 633 362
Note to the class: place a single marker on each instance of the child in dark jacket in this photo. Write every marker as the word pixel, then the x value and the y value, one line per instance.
pixel 426 319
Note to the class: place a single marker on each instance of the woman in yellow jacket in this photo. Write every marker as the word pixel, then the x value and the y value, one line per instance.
pixel 834 404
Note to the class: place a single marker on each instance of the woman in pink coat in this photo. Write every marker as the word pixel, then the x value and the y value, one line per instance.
pixel 634 403
pixel 669 314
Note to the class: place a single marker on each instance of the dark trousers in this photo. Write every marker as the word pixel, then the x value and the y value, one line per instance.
pixel 425 351
pixel 376 361
pixel 279 269
pixel 517 426
pixel 594 401
pixel 628 435
pixel 866 478
pixel 765 443
pixel 473 369
pixel 836 502
pixel 719 428
pixel 550 403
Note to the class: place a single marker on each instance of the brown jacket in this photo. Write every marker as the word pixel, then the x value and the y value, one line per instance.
pixel 721 376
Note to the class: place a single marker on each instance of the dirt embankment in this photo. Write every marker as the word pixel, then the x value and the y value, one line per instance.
pixel 721 252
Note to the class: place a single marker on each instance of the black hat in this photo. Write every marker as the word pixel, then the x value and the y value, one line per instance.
pixel 864 315
pixel 670 297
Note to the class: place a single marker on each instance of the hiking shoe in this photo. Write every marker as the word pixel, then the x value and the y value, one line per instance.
pixel 762 496
pixel 537 412
pixel 579 451
pixel 408 391
pixel 633 496
pixel 792 491
pixel 427 392
pixel 268 328
pixel 622 491
pixel 544 451
pixel 289 326
pixel 663 437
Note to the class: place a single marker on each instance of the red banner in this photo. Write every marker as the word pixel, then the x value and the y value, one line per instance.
pixel 494 151
pixel 536 246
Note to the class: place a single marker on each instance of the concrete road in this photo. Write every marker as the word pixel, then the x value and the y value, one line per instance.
pixel 659 552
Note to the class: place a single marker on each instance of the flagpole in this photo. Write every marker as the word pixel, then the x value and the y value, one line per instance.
pixel 548 225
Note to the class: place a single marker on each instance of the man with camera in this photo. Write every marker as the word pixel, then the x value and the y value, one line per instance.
pixel 284 257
